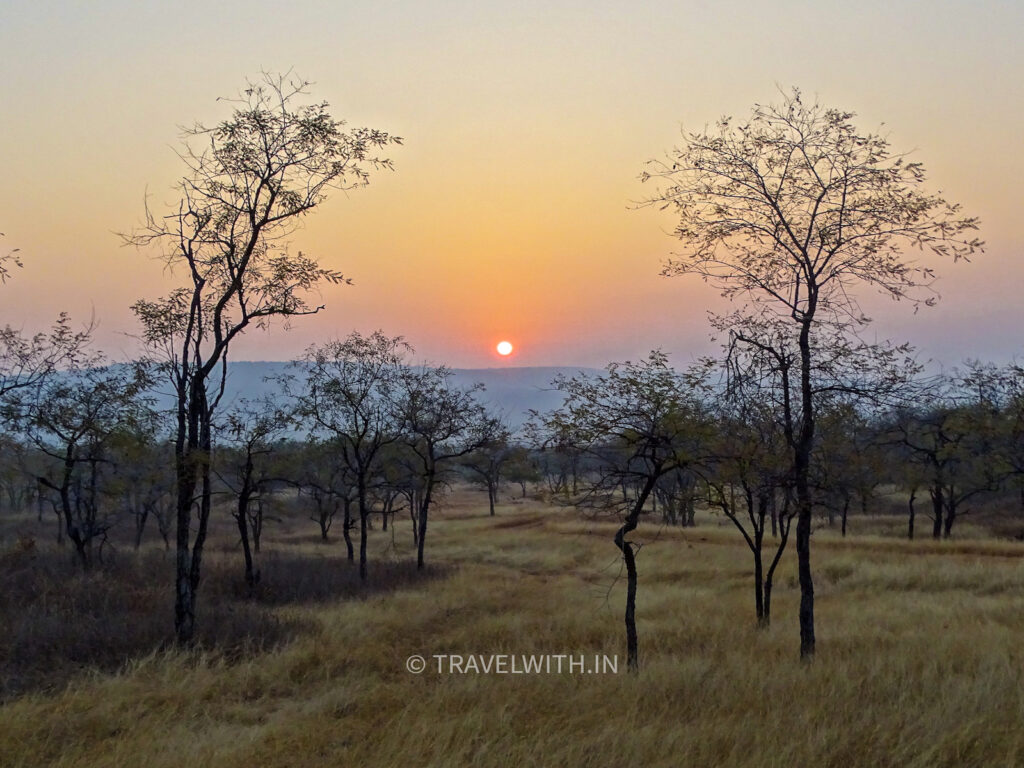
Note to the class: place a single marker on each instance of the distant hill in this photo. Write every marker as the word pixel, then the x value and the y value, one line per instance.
pixel 510 391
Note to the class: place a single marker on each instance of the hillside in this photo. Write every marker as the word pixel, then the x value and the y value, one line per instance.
pixel 510 391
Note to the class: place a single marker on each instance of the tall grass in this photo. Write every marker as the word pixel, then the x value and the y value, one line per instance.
pixel 919 655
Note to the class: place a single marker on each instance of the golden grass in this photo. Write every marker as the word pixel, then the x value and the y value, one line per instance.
pixel 920 660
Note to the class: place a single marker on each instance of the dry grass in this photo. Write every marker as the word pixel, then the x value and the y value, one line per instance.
pixel 919 664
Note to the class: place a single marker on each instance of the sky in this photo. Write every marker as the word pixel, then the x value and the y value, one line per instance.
pixel 511 211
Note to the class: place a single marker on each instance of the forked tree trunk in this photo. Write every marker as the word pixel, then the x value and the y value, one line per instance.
pixel 951 510
pixel 242 518
pixel 192 467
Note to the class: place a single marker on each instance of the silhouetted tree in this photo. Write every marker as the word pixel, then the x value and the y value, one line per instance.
pixel 486 462
pixel 440 424
pixel 654 420
pixel 251 430
pixel 72 419
pixel 249 182
pixel 348 396
pixel 792 209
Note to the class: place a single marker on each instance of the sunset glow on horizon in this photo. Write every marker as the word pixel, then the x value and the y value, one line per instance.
pixel 512 206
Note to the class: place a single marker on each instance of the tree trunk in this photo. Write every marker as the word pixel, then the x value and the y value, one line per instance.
pixel 242 518
pixel 803 495
pixel 910 517
pixel 629 558
pixel 364 513
pixel 938 508
pixel 323 516
pixel 192 467
pixel 762 619
pixel 951 506
pixel 414 517
pixel 140 524
pixel 424 509
pixel 846 511
pixel 346 531
pixel 491 493
pixel 257 525
pixel 184 603
pixel 762 511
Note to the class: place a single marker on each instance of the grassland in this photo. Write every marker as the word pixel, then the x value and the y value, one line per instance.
pixel 920 660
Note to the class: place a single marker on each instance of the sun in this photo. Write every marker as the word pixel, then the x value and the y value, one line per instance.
pixel 504 348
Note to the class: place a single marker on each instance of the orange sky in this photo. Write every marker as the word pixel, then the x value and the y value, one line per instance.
pixel 509 211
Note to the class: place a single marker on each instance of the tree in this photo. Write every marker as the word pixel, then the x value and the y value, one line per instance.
pixel 72 419
pixel 486 462
pixel 791 210
pixel 440 425
pixel 952 441
pixel 26 360
pixel 249 182
pixel 348 396
pixel 313 467
pixel 252 429
pixel 638 422
pixel 145 478
pixel 848 460
pixel 522 469
pixel 751 445
pixel 1013 426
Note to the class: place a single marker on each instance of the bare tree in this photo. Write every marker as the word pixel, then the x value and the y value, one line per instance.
pixel 249 182
pixel 791 210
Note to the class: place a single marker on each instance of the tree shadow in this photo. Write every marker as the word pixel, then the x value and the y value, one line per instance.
pixel 59 623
